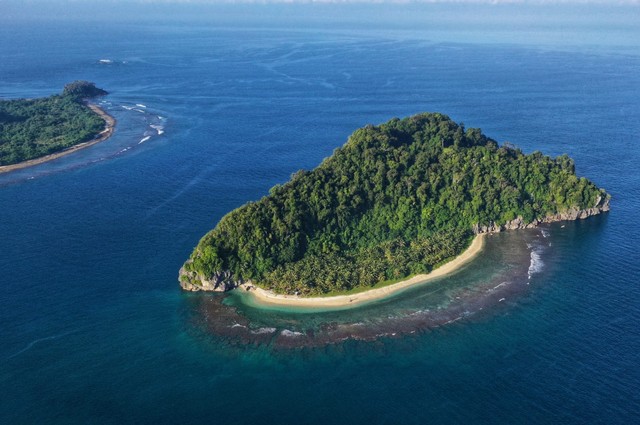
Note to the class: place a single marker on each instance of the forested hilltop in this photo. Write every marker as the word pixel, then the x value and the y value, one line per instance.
pixel 32 128
pixel 396 200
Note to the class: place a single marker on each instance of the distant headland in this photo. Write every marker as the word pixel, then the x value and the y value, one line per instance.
pixel 397 201
pixel 33 131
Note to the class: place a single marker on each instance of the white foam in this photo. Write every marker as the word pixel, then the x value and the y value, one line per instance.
pixel 453 320
pixel 106 61
pixel 536 264
pixel 545 234
pixel 499 285
pixel 158 128
pixel 287 332
pixel 128 108
pixel 141 105
pixel 138 110
pixel 263 331
pixel 144 139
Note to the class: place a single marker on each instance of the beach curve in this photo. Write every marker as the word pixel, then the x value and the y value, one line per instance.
pixel 268 298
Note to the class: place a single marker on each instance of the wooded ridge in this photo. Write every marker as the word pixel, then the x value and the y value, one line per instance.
pixel 398 199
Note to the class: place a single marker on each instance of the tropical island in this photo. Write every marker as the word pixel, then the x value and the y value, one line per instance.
pixel 33 131
pixel 397 200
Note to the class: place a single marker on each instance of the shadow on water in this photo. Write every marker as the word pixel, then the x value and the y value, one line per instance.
pixel 510 266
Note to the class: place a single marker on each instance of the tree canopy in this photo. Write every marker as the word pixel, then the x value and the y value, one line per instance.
pixel 396 200
pixel 82 89
pixel 32 128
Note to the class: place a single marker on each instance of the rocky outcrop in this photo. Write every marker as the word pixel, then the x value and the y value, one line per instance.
pixel 601 205
pixel 219 282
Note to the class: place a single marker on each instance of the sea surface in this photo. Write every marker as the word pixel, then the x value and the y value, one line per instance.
pixel 216 105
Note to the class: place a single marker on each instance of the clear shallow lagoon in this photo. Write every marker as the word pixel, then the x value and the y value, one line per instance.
pixel 95 329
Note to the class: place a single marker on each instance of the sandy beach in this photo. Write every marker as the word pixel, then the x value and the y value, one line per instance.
pixel 110 124
pixel 269 298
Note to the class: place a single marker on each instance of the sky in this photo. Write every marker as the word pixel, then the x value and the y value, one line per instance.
pixel 492 2
pixel 410 14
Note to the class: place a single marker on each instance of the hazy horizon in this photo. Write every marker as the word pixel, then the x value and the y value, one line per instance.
pixel 214 2
pixel 535 22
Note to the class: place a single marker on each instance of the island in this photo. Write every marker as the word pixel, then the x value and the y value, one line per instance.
pixel 33 131
pixel 394 204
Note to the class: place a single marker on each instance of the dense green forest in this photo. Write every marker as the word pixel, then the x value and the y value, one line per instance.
pixel 32 128
pixel 397 199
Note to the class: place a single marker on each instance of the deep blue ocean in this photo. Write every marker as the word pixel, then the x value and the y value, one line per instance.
pixel 216 105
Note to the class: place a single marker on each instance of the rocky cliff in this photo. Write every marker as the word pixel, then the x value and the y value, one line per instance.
pixel 601 205
pixel 219 282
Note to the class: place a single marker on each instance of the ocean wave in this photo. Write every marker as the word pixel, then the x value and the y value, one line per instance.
pixel 287 332
pixel 144 139
pixel 263 331
pixel 158 128
pixel 536 265
pixel 36 341
pixel 499 285
pixel 106 61
pixel 140 105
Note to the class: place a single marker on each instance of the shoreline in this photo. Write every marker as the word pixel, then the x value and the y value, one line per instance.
pixel 110 124
pixel 268 298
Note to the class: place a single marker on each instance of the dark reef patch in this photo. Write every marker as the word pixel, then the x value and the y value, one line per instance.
pixel 500 276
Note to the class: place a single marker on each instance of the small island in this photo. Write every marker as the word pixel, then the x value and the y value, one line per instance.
pixel 33 131
pixel 397 201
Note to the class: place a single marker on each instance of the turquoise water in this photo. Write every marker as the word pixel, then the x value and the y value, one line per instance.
pixel 94 328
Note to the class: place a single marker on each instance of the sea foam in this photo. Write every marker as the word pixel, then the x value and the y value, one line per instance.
pixel 158 128
pixel 536 264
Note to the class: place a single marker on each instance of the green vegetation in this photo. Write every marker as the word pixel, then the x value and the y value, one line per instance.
pixel 395 200
pixel 32 128
pixel 82 89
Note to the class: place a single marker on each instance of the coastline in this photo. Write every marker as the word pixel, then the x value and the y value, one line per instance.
pixel 269 298
pixel 110 124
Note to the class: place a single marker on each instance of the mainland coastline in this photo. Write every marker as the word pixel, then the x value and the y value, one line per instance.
pixel 109 128
pixel 269 298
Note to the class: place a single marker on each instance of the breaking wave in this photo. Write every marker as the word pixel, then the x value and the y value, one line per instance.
pixel 536 264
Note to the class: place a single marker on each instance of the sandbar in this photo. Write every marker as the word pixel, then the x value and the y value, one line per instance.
pixel 266 297
pixel 110 124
